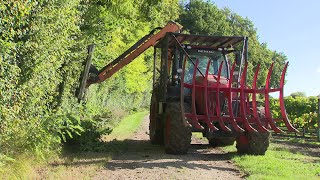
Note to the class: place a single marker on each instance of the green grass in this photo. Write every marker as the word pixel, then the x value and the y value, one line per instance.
pixel 292 139
pixel 198 135
pixel 21 167
pixel 127 126
pixel 278 163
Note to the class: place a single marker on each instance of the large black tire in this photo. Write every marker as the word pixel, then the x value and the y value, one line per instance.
pixel 177 132
pixel 254 143
pixel 221 141
pixel 155 126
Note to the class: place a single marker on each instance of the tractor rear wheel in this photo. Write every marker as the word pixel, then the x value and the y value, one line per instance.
pixel 155 126
pixel 221 141
pixel 177 137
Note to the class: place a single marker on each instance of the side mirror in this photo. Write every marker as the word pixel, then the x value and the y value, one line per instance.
pixel 238 58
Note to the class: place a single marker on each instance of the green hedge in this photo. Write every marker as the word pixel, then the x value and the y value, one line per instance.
pixel 43 45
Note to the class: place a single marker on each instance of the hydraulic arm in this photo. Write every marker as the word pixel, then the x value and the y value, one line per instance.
pixel 125 58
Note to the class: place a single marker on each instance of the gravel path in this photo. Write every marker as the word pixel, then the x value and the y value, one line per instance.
pixel 145 161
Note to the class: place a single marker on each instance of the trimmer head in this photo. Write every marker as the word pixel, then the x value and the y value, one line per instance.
pixel 85 74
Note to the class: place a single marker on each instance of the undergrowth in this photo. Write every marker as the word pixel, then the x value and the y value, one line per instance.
pixel 94 142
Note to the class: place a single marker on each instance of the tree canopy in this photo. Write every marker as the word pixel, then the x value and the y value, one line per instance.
pixel 200 17
pixel 298 94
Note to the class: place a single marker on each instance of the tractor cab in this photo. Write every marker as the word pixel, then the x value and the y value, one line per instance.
pixel 185 57
pixel 208 60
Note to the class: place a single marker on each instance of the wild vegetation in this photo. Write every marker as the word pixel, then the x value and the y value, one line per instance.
pixel 43 46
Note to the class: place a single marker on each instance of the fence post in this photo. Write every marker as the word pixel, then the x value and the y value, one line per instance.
pixel 318 131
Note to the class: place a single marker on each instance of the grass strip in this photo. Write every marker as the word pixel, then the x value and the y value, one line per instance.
pixel 278 163
pixel 127 126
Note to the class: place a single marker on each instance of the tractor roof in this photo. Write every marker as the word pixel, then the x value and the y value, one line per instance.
pixel 204 40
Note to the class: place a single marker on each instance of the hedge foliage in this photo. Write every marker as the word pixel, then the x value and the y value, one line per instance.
pixel 43 45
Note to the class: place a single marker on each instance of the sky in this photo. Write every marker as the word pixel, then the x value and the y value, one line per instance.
pixel 291 27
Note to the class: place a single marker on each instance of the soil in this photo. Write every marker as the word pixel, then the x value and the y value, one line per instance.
pixel 145 161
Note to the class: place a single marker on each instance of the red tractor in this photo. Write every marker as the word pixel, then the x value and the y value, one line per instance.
pixel 199 85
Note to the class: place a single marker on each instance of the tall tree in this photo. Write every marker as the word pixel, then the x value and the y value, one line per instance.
pixel 298 94
pixel 200 17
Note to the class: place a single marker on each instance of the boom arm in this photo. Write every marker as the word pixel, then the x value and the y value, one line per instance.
pixel 125 58
pixel 133 52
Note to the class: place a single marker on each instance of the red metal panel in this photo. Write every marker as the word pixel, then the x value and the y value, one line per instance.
pixel 229 97
pixel 254 102
pixel 267 102
pixel 194 119
pixel 221 122
pixel 246 124
pixel 206 100
pixel 281 99
pixel 210 106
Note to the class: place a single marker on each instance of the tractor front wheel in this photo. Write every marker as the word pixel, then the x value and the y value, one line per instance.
pixel 255 143
pixel 177 136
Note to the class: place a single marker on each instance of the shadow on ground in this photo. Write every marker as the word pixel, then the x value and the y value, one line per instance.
pixel 131 154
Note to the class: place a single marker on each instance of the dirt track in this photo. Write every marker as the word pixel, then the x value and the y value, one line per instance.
pixel 146 161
